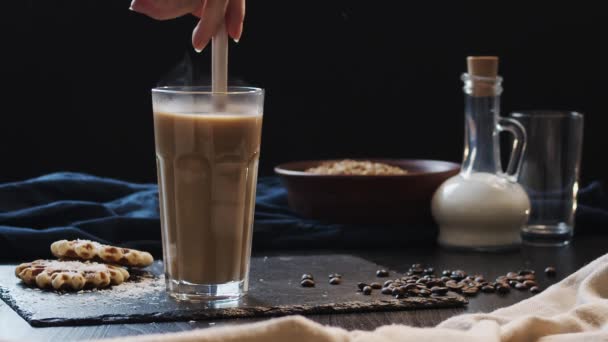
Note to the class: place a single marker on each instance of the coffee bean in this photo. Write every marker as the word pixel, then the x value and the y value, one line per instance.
pixel 335 281
pixel 530 283
pixel 422 281
pixel 417 270
pixel 512 275
pixel 307 276
pixel 513 283
pixel 525 272
pixel 550 271
pixel 381 273
pixel 454 286
pixel 432 283
pixel 397 291
pixel 488 289
pixel 502 279
pixel 417 266
pixel 400 296
pixel 429 270
pixel 413 292
pixel 438 290
pixel 521 286
pixel 502 288
pixel 411 281
pixel 361 286
pixel 520 278
pixel 529 277
pixel 410 286
pixel 335 275
pixel 535 289
pixel 458 275
pixel 367 290
pixel 424 293
pixel 307 283
pixel 375 286
pixel 387 291
pixel 470 291
pixel 446 273
pixel 480 279
pixel 387 283
pixel 445 279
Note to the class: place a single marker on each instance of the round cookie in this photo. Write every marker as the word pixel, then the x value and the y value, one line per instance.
pixel 90 250
pixel 70 275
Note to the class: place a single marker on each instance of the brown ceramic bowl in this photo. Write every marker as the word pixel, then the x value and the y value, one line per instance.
pixel 361 199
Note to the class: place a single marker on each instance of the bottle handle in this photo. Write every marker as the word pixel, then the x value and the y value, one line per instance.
pixel 519 145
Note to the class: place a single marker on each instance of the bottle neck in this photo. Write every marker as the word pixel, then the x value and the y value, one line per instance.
pixel 482 109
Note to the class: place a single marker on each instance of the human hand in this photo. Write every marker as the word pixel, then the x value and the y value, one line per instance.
pixel 210 12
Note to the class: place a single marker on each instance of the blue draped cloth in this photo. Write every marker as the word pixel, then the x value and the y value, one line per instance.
pixel 36 212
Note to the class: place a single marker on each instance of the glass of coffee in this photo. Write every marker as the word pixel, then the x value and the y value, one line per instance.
pixel 207 151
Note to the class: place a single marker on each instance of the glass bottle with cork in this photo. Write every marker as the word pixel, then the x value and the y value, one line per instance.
pixel 483 207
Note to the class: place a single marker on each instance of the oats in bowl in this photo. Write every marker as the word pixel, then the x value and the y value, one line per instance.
pixel 356 167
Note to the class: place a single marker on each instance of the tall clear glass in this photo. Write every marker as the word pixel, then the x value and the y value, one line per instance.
pixel 550 172
pixel 207 151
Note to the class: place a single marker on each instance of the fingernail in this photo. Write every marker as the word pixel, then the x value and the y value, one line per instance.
pixel 131 8
pixel 197 50
pixel 235 40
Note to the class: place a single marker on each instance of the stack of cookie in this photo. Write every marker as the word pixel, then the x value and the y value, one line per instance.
pixel 82 264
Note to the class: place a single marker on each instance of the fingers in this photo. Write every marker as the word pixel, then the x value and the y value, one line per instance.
pixel 213 15
pixel 235 15
pixel 165 9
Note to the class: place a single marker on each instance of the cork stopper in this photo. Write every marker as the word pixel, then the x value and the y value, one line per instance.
pixel 483 66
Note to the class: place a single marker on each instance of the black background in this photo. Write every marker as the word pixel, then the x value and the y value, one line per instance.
pixel 343 78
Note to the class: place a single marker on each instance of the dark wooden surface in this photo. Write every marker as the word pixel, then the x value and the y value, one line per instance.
pixel 567 259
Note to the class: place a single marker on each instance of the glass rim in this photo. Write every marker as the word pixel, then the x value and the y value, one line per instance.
pixel 542 113
pixel 206 90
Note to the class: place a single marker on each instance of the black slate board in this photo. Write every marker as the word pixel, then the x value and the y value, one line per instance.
pixel 274 291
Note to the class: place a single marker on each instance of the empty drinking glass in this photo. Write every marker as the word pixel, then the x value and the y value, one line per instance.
pixel 550 173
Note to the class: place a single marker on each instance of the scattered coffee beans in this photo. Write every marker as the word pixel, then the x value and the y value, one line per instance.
pixel 421 281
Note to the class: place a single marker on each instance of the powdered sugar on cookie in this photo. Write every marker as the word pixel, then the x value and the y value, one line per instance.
pixel 90 250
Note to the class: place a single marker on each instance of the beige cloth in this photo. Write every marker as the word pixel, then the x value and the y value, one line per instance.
pixel 575 309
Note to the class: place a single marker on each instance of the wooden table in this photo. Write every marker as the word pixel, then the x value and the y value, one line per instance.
pixel 566 259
